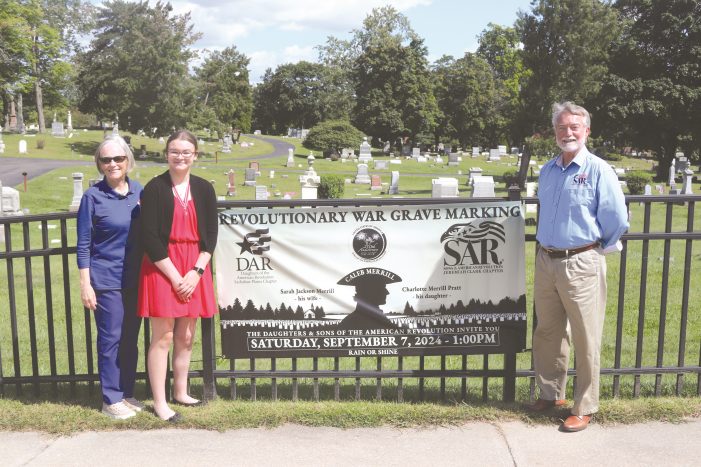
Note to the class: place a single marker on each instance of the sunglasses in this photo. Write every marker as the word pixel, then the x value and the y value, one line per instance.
pixel 117 159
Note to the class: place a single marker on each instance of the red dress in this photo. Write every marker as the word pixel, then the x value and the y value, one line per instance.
pixel 157 298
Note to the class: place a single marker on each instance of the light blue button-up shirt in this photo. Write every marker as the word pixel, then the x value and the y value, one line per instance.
pixel 580 204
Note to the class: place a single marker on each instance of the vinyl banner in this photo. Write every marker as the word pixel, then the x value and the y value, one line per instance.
pixel 391 280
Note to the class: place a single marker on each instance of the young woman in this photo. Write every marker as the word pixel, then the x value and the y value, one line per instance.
pixel 108 260
pixel 179 233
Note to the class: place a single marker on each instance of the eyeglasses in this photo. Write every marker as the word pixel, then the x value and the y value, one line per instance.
pixel 107 160
pixel 184 154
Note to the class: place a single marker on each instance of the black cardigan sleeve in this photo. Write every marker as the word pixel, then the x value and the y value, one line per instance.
pixel 207 221
pixel 152 220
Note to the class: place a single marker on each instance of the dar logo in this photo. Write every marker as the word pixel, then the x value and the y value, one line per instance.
pixel 369 243
pixel 256 243
pixel 473 243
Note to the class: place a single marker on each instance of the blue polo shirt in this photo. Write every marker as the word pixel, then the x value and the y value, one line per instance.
pixel 108 237
pixel 580 204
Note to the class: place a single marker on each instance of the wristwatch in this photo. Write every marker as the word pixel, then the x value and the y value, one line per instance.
pixel 199 271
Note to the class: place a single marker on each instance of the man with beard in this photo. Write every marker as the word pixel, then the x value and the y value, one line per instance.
pixel 582 216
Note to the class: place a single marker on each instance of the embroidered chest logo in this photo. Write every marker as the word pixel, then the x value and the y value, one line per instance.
pixel 579 179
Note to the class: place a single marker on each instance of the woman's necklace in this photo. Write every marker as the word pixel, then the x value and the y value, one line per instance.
pixel 183 200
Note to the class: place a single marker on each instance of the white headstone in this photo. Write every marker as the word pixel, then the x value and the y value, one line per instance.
pixel 502 150
pixel 290 157
pixel 483 187
pixel 77 191
pixel 686 186
pixel 365 154
pixel 394 185
pixel 495 154
pixel 69 121
pixel 514 151
pixel 380 165
pixel 648 190
pixel 444 187
pixel 453 159
pixel 310 178
pixel 415 152
pixel 261 193
pixel 362 176
pixel 22 146
pixel 57 129
pixel 672 171
pixel 475 151
pixel 530 193
pixel 9 201
pixel 309 192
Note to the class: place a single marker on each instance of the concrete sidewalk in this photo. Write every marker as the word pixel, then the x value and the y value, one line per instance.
pixel 482 444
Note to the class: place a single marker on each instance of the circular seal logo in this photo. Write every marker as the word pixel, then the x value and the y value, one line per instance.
pixel 369 243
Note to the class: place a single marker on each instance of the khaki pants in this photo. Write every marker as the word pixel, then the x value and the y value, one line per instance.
pixel 569 290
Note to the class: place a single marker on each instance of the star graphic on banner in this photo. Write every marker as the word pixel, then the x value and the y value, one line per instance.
pixel 245 246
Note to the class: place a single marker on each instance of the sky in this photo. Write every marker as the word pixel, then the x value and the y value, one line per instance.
pixel 273 32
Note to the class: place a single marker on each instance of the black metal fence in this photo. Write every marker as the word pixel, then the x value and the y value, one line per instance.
pixel 651 343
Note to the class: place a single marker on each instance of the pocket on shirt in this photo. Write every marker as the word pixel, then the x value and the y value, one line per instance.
pixel 581 196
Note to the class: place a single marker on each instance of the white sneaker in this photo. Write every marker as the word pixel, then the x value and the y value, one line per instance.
pixel 117 410
pixel 133 404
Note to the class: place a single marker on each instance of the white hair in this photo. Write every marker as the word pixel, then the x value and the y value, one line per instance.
pixel 570 108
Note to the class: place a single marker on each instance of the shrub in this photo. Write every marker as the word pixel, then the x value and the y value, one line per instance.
pixel 542 145
pixel 40 144
pixel 332 136
pixel 636 181
pixel 510 177
pixel 612 156
pixel 331 187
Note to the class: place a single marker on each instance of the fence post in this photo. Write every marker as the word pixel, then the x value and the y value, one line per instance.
pixel 510 377
pixel 209 389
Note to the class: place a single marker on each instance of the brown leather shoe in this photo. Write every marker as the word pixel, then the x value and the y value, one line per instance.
pixel 541 405
pixel 575 423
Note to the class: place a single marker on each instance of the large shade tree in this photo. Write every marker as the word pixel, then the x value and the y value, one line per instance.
pixel 652 97
pixel 565 46
pixel 136 68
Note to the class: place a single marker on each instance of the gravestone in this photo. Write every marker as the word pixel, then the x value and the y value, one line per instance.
pixel 311 159
pixel 310 192
pixel 406 150
pixel 9 202
pixel 380 165
pixel 483 187
pixel 77 191
pixel 494 155
pixel 672 171
pixel 502 150
pixel 453 159
pixel 514 151
pixel 309 178
pixel 686 186
pixel 255 166
pixel 345 153
pixel 290 157
pixel 683 164
pixel 261 193
pixel 439 160
pixel 69 121
pixel 474 172
pixel 22 146
pixel 226 144
pixel 444 187
pixel 271 174
pixel 57 129
pixel 660 189
pixel 362 177
pixel 475 151
pixel 365 156
pixel 250 179
pixel 530 193
pixel 421 159
pixel 394 184
pixel 415 153
pixel 375 183
pixel 231 185
pixel 648 190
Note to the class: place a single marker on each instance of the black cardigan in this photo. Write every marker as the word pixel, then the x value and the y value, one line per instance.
pixel 157 204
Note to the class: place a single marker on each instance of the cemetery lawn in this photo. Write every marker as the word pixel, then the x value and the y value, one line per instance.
pixel 66 417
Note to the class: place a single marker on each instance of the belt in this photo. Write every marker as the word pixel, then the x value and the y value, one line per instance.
pixel 569 252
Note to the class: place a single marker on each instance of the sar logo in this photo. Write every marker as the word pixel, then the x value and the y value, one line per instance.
pixel 474 243
pixel 369 243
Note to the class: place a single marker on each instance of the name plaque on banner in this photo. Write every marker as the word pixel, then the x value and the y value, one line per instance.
pixel 371 281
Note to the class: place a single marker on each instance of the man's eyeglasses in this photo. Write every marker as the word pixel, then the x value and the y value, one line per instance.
pixel 185 154
pixel 107 160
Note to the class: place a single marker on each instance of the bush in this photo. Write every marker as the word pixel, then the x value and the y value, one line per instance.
pixel 613 156
pixel 331 187
pixel 332 136
pixel 40 144
pixel 542 145
pixel 636 181
pixel 510 177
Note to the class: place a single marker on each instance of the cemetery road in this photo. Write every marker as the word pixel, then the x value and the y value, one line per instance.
pixel 11 168
pixel 279 147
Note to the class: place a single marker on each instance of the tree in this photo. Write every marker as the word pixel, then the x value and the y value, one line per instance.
pixel 136 69
pixel 469 99
pixel 653 91
pixel 565 47
pixel 500 47
pixel 297 95
pixel 332 136
pixel 224 87
pixel 393 88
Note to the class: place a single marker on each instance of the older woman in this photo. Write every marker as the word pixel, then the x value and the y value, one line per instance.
pixel 108 260
pixel 179 231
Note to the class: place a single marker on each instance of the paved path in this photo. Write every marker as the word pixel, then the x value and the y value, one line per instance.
pixel 480 444
pixel 11 168
pixel 279 147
